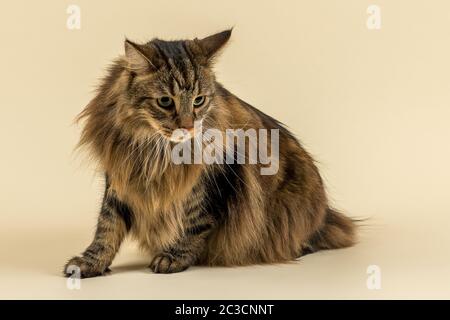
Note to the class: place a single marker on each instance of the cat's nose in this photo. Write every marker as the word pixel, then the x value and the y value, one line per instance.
pixel 187 123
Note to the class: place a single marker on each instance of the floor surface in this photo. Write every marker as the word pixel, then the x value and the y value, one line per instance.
pixel 399 259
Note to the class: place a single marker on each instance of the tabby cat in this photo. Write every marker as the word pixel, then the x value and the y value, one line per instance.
pixel 195 214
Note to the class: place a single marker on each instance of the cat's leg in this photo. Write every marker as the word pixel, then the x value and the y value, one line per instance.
pixel 113 223
pixel 188 248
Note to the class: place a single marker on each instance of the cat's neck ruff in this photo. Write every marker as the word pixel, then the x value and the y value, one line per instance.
pixel 145 168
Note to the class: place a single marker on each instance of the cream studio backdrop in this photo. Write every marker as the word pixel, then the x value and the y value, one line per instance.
pixel 363 84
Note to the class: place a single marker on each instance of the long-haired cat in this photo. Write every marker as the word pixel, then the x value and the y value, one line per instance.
pixel 188 214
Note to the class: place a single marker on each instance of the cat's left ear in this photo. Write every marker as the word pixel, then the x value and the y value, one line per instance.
pixel 212 45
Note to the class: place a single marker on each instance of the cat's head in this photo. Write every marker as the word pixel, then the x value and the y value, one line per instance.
pixel 171 83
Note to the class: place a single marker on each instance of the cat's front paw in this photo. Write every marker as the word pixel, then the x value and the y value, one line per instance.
pixel 166 263
pixel 79 266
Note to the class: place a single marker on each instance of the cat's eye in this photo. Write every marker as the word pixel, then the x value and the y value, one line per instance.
pixel 165 102
pixel 200 100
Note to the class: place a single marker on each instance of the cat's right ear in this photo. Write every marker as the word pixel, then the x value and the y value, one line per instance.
pixel 139 57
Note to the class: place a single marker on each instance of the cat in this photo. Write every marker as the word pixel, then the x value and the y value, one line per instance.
pixel 195 214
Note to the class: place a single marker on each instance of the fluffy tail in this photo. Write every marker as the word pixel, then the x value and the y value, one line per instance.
pixel 338 231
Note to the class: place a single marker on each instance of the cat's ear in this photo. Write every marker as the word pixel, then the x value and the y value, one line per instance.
pixel 139 57
pixel 212 45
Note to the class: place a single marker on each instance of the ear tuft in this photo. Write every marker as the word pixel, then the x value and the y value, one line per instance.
pixel 213 44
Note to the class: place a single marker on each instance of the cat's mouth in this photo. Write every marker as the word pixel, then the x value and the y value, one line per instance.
pixel 182 135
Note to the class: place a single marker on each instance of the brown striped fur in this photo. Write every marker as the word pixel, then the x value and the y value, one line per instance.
pixel 195 213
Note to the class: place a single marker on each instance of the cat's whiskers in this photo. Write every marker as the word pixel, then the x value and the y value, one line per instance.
pixel 140 145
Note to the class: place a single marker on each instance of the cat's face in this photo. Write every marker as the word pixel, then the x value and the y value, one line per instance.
pixel 171 84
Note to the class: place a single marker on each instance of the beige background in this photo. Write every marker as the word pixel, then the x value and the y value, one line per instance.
pixel 371 105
